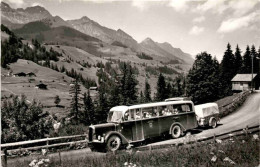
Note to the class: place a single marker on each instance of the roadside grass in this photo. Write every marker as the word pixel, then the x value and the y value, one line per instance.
pixel 227 100
pixel 230 104
pixel 239 152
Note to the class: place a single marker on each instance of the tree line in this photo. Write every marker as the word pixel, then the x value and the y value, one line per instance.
pixel 208 80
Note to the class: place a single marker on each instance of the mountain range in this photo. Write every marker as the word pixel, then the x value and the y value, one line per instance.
pixel 18 20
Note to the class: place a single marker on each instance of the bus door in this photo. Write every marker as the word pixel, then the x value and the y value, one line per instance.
pixel 127 125
pixel 137 128
pixel 150 122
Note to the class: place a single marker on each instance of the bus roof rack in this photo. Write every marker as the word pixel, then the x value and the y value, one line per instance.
pixel 177 99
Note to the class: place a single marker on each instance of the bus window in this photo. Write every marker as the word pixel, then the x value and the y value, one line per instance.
pixel 138 114
pixel 132 115
pixel 177 109
pixel 163 110
pixel 148 112
pixel 156 112
pixel 170 110
pixel 186 107
pixel 160 110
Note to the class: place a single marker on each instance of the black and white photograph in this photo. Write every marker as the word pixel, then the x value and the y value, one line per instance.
pixel 130 83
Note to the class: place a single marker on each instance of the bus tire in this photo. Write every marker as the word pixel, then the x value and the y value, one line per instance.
pixel 113 143
pixel 176 131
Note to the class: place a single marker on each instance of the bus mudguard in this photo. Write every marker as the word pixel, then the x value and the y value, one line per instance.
pixel 176 123
pixel 124 140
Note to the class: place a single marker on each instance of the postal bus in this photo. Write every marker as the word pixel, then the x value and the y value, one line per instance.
pixel 130 124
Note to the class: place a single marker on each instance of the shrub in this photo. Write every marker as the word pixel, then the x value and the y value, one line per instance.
pixel 23 121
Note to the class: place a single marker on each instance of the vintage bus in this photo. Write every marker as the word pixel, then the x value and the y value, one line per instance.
pixel 136 123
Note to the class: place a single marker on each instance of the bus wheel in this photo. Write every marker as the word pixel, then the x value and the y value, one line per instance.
pixel 213 123
pixel 176 131
pixel 113 143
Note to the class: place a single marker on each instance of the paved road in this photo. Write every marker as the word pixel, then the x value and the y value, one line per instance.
pixel 246 115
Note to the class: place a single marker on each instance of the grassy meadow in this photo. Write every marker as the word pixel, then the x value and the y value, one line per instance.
pixel 239 152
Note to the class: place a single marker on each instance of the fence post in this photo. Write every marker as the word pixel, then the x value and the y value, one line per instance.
pixel 4 158
pixel 60 157
pixel 47 141
pixel 247 131
pixel 86 136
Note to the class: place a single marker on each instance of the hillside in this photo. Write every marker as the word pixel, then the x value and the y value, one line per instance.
pixel 55 21
pixel 58 35
pixel 57 84
pixel 177 52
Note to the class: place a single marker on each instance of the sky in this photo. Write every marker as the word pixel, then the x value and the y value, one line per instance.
pixel 192 25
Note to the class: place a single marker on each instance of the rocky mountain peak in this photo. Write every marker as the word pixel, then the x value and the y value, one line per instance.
pixel 5 7
pixel 148 41
pixel 36 9
pixel 85 19
pixel 22 16
pixel 122 33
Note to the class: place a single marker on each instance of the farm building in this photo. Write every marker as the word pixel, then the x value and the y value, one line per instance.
pixel 41 86
pixel 31 74
pixel 242 82
pixel 20 74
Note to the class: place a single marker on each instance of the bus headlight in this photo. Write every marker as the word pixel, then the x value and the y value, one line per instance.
pixel 202 121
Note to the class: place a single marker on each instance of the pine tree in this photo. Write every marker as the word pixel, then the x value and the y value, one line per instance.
pixel 161 89
pixel 123 92
pixel 255 61
pixel 147 92
pixel 114 99
pixel 173 91
pixel 179 90
pixel 130 87
pixel 168 91
pixel 246 68
pixel 259 52
pixel 102 107
pixel 88 109
pixel 238 61
pixel 258 60
pixel 203 79
pixel 128 83
pixel 75 105
pixel 141 98
pixel 227 71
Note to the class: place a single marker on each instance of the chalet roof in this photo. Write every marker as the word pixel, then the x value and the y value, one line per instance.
pixel 243 77
pixel 20 73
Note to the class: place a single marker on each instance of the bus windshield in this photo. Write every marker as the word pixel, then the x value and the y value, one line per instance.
pixel 114 116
